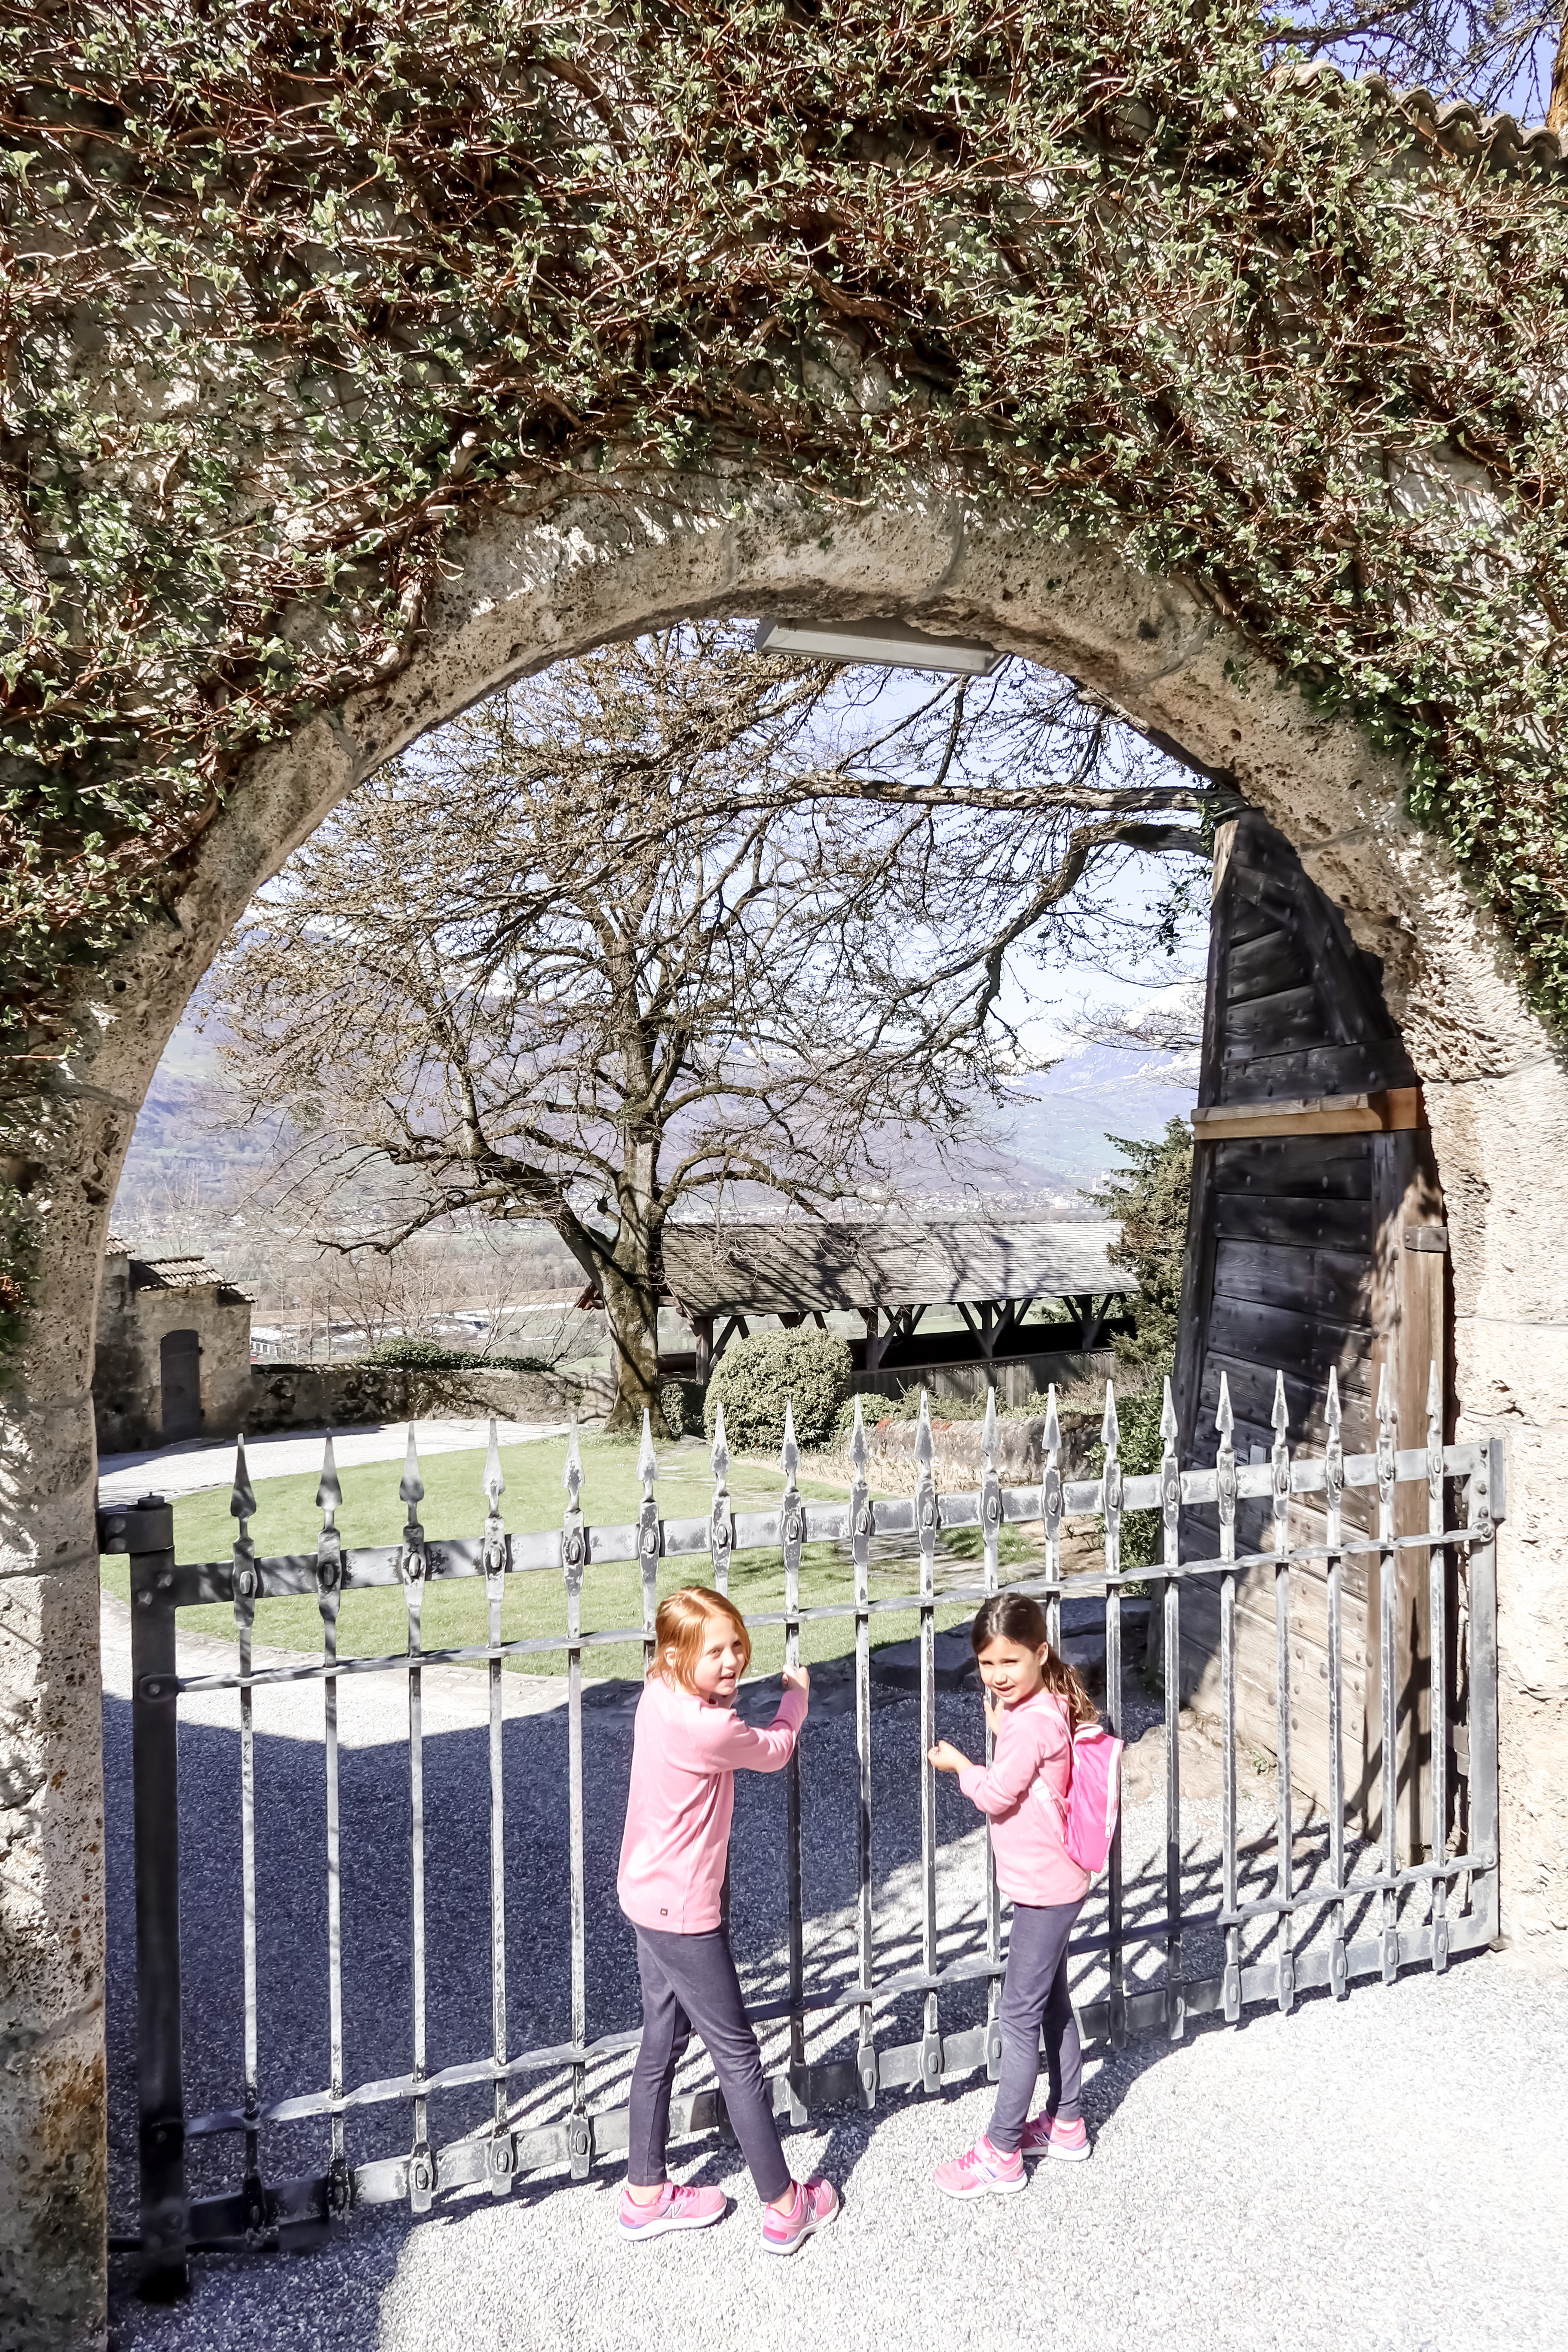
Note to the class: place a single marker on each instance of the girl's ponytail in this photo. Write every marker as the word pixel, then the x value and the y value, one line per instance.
pixel 1018 1617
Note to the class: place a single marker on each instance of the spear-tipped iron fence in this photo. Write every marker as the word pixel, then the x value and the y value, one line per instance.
pixel 1423 1912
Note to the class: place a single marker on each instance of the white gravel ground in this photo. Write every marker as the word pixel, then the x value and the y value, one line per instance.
pixel 1391 2171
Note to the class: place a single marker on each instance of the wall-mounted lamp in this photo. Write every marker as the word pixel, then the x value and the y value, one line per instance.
pixel 891 644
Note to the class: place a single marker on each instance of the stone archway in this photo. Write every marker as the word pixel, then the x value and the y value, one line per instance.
pixel 526 589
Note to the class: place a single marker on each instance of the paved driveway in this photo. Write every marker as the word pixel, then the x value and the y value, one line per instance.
pixel 174 1470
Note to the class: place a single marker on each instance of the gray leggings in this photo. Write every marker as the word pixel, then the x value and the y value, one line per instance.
pixel 690 1980
pixel 1035 1992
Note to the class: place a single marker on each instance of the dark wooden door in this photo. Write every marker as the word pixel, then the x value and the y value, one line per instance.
pixel 1316 1243
pixel 179 1364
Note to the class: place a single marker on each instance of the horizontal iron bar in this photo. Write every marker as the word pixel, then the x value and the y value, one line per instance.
pixel 295 1573
pixel 1315 1897
pixel 1084 1586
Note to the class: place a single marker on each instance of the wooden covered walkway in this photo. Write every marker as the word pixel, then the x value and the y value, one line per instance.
pixel 1023 1288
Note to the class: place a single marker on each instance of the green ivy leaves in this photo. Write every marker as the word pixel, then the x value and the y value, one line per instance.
pixel 293 289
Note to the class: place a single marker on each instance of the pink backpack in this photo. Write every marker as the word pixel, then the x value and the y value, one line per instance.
pixel 1094 1798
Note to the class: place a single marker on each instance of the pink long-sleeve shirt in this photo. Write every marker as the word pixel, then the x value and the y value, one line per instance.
pixel 1023 1792
pixel 685 1756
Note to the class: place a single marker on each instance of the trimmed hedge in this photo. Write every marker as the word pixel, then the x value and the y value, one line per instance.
pixel 414 1356
pixel 682 1405
pixel 753 1378
pixel 429 1356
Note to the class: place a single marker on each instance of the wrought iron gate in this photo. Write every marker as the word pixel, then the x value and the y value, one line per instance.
pixel 1420 1912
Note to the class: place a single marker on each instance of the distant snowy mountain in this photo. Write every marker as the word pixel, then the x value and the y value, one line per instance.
pixel 192 1158
pixel 1061 1131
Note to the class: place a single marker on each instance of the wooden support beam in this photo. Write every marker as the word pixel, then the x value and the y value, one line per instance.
pixel 737 1323
pixel 1395 1110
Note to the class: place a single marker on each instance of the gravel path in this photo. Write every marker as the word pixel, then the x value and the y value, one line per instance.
pixel 1389 2171
pixel 195 1468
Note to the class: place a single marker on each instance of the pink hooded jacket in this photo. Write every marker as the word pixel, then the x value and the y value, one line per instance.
pixel 685 1756
pixel 1022 1792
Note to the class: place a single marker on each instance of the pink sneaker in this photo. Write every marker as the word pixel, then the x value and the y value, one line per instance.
pixel 815 2204
pixel 673 2208
pixel 982 2171
pixel 1069 2143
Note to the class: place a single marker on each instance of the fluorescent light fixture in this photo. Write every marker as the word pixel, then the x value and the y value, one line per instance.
pixel 891 644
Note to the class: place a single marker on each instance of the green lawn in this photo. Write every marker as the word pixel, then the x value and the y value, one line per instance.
pixel 374 1623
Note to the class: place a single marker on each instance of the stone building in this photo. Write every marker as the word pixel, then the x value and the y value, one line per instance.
pixel 174 1352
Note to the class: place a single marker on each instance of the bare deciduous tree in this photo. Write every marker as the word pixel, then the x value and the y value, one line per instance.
pixel 676 920
pixel 1500 53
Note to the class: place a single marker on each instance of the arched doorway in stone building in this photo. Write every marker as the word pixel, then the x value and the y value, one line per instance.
pixel 571 580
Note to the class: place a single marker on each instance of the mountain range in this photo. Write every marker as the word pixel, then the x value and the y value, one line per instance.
pixel 195 1158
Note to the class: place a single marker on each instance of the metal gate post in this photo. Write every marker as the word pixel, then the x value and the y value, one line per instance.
pixel 1487 1504
pixel 146 1532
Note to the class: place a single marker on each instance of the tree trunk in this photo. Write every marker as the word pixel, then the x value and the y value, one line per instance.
pixel 1557 112
pixel 631 1310
pixel 631 1283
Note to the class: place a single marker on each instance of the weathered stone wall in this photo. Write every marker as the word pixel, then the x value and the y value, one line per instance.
pixel 959 1455
pixel 539 581
pixel 337 1396
pixel 1014 1380
pixel 127 1372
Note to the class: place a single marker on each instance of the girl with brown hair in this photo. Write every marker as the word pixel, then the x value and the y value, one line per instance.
pixel 1035 1706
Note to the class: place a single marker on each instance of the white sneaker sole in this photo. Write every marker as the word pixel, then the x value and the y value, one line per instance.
pixel 636 2231
pixel 790 2245
pixel 986 2189
pixel 1055 2155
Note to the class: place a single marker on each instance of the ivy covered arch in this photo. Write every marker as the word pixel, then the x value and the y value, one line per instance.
pixel 364 359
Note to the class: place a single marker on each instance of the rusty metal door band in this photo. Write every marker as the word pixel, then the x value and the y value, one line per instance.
pixel 1421 1913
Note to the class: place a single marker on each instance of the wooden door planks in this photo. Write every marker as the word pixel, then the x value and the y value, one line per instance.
pixel 1337 1283
pixel 1262 966
pixel 1305 1167
pixel 1296 1263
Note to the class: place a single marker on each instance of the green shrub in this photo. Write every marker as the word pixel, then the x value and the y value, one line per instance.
pixel 1150 1200
pixel 753 1378
pixel 682 1403
pixel 417 1355
pixel 429 1356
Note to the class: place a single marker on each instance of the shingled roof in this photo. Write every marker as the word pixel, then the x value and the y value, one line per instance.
pixel 176 1273
pixel 796 1266
pixel 1453 125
